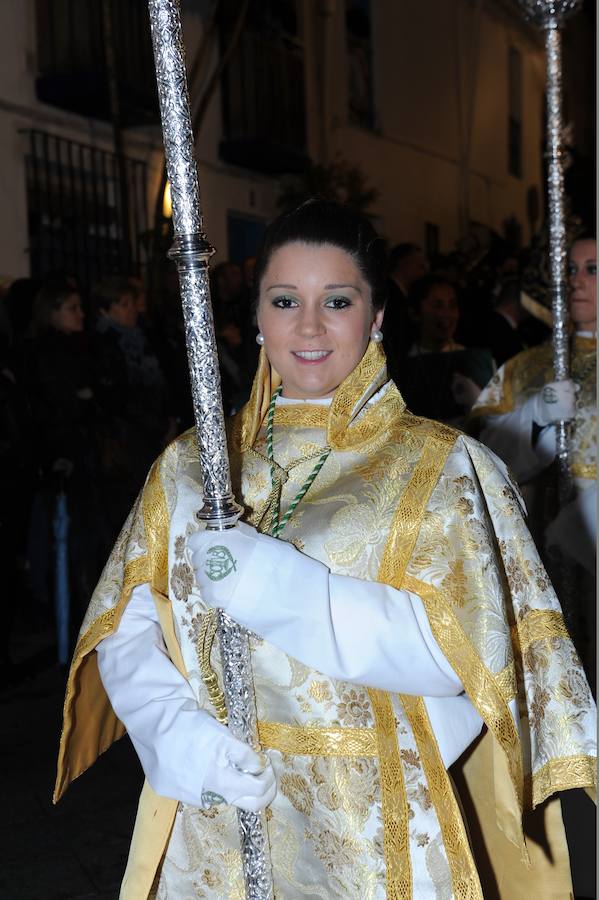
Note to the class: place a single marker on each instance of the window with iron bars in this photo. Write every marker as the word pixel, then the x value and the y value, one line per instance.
pixel 75 217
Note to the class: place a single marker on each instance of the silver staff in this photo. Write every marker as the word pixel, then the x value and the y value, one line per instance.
pixel 191 251
pixel 549 15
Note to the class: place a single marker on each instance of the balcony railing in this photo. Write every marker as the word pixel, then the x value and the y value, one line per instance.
pixel 76 222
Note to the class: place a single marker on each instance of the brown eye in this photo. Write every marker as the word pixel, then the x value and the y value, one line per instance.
pixel 284 302
pixel 338 302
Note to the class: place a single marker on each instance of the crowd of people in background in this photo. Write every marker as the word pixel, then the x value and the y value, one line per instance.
pixel 94 385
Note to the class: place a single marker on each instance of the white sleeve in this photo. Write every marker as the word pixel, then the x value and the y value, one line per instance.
pixel 169 731
pixel 357 631
pixel 455 724
pixel 346 628
pixel 510 436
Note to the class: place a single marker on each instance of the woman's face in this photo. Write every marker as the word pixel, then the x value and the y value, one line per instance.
pixel 124 311
pixel 439 315
pixel 69 316
pixel 582 270
pixel 315 312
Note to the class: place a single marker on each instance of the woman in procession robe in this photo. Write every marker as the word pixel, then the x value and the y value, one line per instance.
pixel 399 612
pixel 515 416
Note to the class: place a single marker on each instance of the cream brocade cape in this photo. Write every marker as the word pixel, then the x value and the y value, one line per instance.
pixel 365 808
pixel 525 374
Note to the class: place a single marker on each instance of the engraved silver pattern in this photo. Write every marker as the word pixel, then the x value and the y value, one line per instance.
pixel 241 707
pixel 191 251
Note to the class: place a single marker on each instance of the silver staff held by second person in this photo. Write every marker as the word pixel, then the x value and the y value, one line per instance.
pixel 549 15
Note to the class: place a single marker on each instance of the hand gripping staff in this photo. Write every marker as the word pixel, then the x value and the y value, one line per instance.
pixel 191 251
pixel 549 16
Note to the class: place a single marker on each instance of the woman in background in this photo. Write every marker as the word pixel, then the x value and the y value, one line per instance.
pixel 61 382
pixel 441 378
pixel 515 416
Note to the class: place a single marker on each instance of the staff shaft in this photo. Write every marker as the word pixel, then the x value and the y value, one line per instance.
pixel 191 252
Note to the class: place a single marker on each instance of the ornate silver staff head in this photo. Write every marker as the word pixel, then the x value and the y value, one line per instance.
pixel 549 13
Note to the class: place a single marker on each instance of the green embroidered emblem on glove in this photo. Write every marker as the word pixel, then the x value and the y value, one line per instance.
pixel 219 563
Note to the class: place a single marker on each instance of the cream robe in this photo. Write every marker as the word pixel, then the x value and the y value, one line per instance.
pixel 524 375
pixel 502 421
pixel 365 807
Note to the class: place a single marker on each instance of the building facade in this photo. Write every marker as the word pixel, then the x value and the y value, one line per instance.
pixel 439 102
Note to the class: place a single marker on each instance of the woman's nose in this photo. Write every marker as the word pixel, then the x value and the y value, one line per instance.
pixel 310 323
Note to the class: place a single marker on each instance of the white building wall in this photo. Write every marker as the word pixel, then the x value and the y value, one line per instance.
pixel 412 157
pixel 424 50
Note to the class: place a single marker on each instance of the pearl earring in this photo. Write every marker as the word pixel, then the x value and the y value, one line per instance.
pixel 260 339
pixel 376 335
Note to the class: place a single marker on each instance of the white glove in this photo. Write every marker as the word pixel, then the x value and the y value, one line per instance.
pixel 219 557
pixel 556 402
pixel 185 753
pixel 235 773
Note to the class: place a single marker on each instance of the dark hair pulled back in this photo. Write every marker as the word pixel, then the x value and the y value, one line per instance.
pixel 318 221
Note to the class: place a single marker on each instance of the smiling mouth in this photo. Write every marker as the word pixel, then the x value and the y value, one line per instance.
pixel 311 355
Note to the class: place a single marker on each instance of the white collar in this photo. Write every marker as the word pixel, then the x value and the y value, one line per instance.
pixel 290 401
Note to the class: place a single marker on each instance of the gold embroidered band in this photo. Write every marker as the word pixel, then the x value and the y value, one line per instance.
pixel 480 684
pixel 563 775
pixel 410 511
pixel 308 416
pixel 464 877
pixel 156 525
pixel 506 682
pixel 585 470
pixel 394 802
pixel 540 625
pixel 314 741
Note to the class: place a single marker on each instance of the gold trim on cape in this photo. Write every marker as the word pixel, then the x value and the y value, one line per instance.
pixel 464 877
pixel 479 683
pixel 316 741
pixel 410 511
pixel 394 803
pixel 540 625
pixel 563 775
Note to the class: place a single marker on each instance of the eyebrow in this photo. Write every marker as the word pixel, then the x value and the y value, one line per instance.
pixel 336 287
pixel 327 287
